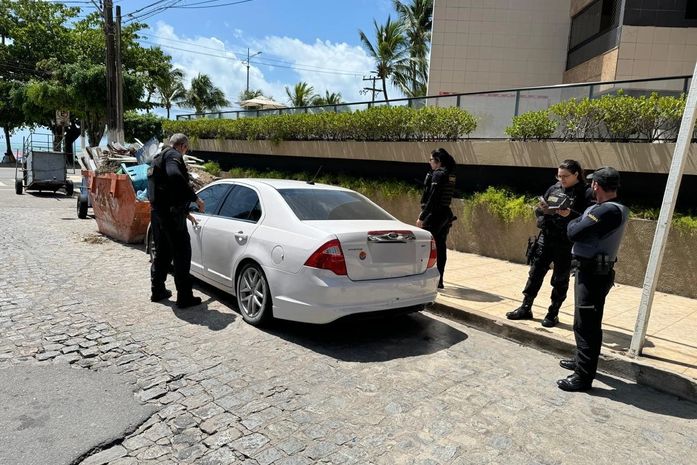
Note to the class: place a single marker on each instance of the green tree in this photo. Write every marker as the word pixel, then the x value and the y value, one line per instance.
pixel 333 98
pixel 30 33
pixel 389 50
pixel 170 88
pixel 203 95
pixel 417 20
pixel 250 94
pixel 302 94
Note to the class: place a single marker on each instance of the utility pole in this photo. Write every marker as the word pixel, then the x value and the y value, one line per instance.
pixel 119 78
pixel 247 63
pixel 372 89
pixel 114 76
pixel 110 72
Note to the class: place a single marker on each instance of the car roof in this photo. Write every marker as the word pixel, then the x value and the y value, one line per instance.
pixel 281 183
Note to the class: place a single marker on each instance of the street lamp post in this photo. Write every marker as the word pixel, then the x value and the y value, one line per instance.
pixel 247 63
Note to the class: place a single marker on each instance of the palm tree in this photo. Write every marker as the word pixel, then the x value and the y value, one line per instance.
pixel 389 50
pixel 203 95
pixel 302 94
pixel 333 98
pixel 250 94
pixel 417 19
pixel 170 87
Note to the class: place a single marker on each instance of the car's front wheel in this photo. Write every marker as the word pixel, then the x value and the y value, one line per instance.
pixel 253 296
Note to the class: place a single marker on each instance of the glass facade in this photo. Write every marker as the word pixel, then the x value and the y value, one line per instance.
pixel 594 30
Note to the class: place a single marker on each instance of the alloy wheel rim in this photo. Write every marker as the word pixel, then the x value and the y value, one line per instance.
pixel 252 293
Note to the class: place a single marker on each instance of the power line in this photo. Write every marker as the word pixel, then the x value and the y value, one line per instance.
pixel 258 61
pixel 210 6
pixel 264 60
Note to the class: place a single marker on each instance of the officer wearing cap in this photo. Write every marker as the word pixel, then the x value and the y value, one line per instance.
pixel 596 236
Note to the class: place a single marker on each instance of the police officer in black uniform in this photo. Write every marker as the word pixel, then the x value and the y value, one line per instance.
pixel 170 194
pixel 562 202
pixel 436 215
pixel 596 236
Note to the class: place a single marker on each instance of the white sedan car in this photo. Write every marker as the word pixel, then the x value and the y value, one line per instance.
pixel 308 252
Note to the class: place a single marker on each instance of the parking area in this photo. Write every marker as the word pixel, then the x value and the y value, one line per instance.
pixel 416 389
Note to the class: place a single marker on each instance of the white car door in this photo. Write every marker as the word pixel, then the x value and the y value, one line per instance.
pixel 213 197
pixel 226 235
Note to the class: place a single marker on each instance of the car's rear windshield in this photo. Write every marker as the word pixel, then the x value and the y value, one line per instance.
pixel 325 204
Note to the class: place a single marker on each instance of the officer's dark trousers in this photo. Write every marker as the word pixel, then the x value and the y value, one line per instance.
pixel 549 252
pixel 590 292
pixel 440 228
pixel 172 243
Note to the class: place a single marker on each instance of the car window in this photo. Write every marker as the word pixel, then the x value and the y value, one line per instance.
pixel 212 196
pixel 242 204
pixel 325 204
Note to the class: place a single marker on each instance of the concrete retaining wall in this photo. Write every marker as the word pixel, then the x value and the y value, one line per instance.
pixel 478 231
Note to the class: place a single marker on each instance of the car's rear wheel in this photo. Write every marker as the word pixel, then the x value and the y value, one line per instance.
pixel 253 296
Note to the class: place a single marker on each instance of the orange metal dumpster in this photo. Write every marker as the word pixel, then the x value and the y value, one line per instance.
pixel 117 212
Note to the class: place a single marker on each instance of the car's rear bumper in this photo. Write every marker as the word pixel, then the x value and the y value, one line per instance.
pixel 319 296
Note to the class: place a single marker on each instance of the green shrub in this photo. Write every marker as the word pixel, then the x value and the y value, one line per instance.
pixel 142 126
pixel 620 115
pixel 532 125
pixel 504 204
pixel 374 124
pixel 577 119
pixel 212 168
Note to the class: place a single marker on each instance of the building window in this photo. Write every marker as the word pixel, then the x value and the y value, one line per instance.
pixel 595 20
pixel 691 10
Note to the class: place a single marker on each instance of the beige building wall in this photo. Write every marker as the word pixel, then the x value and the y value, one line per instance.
pixel 647 51
pixel 480 45
pixel 600 68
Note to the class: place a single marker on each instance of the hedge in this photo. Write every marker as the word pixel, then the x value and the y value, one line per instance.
pixel 614 117
pixel 142 126
pixel 501 202
pixel 374 124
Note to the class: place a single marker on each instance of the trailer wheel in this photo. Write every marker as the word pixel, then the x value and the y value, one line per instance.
pixel 82 205
pixel 18 186
pixel 69 188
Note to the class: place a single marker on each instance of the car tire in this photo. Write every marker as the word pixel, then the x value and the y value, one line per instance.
pixel 69 188
pixel 253 296
pixel 82 206
pixel 18 186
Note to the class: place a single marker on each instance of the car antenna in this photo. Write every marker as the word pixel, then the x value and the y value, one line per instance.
pixel 312 181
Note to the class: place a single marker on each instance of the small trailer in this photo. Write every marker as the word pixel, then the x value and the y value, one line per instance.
pixel 42 170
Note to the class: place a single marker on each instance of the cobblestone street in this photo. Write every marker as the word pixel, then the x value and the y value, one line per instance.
pixel 412 390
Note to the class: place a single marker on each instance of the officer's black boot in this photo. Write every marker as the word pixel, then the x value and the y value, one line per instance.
pixel 552 317
pixel 524 312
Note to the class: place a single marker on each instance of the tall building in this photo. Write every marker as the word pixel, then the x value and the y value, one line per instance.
pixel 480 45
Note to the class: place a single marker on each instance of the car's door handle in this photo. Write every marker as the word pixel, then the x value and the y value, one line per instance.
pixel 240 236
pixel 196 226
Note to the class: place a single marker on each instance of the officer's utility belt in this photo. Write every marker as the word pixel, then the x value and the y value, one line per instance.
pixel 600 264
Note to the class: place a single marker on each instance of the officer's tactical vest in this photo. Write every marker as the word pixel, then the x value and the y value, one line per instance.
pixel 607 245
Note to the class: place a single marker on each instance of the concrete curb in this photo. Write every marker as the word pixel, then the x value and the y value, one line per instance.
pixel 611 363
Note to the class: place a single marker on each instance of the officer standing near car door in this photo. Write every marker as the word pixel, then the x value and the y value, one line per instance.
pixel 170 194
pixel 596 236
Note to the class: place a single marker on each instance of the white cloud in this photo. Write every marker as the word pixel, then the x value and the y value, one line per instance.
pixel 325 65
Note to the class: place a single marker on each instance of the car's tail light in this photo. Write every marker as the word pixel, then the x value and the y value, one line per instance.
pixel 433 255
pixel 329 257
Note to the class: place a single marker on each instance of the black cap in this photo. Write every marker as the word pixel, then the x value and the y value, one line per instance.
pixel 607 176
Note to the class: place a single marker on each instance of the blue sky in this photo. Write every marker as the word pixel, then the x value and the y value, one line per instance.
pixel 301 40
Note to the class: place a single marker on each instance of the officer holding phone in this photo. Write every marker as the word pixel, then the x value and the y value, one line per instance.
pixel 562 202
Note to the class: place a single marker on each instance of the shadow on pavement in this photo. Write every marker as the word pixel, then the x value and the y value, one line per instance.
pixel 472 295
pixel 372 340
pixel 202 315
pixel 644 398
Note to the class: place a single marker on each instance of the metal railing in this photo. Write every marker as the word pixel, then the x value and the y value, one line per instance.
pixel 493 109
